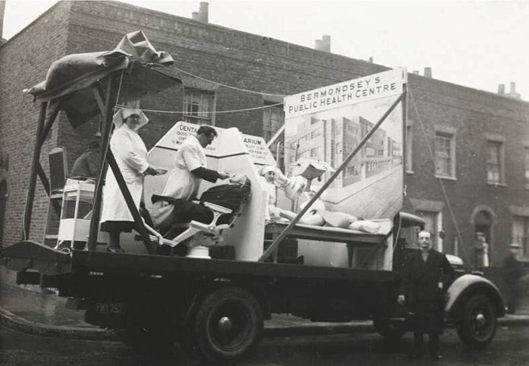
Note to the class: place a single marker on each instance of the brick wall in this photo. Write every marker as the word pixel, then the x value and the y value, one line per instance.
pixel 25 59
pixel 473 115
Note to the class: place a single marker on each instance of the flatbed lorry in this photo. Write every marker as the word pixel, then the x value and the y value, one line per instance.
pixel 215 308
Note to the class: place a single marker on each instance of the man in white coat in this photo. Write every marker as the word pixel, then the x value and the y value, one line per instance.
pixel 190 166
pixel 131 157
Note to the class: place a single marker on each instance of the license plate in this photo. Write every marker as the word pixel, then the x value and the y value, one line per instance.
pixel 110 308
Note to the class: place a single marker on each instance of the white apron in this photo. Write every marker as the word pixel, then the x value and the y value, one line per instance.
pixel 181 183
pixel 131 156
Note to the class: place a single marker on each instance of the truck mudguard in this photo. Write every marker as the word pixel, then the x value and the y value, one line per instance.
pixel 466 286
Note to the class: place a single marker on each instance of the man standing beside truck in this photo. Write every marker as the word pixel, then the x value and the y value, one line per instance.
pixel 423 291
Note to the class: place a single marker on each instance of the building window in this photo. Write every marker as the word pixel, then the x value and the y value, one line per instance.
pixel 199 106
pixel 273 120
pixel 409 139
pixel 444 155
pixel 520 233
pixel 495 162
pixel 526 167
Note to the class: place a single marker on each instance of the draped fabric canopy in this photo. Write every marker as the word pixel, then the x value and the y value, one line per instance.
pixel 70 80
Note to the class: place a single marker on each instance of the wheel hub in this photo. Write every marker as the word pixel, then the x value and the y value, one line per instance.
pixel 481 320
pixel 225 324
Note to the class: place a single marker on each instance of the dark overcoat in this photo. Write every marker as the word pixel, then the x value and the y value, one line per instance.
pixel 424 285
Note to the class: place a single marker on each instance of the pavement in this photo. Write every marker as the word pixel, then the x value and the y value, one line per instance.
pixel 44 313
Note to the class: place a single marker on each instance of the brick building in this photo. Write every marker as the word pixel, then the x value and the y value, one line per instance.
pixel 479 140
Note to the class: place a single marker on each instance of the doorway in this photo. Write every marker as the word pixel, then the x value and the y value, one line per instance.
pixel 483 221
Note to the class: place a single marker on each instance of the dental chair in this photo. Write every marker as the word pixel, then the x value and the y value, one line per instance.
pixel 203 232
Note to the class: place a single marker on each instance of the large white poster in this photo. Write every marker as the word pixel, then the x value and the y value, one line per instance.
pixel 328 123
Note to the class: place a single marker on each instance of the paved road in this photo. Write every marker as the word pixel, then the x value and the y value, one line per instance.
pixel 509 348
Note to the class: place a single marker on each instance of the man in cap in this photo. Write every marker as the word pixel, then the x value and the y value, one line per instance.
pixel 423 290
pixel 512 271
pixel 87 165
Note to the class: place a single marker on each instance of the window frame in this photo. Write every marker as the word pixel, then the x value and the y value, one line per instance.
pixel 209 117
pixel 268 119
pixel 451 137
pixel 501 162
pixel 523 240
pixel 526 166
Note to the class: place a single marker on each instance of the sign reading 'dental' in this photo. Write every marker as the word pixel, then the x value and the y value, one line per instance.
pixel 256 146
pixel 375 86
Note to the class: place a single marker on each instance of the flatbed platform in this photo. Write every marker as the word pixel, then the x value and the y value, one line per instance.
pixel 48 261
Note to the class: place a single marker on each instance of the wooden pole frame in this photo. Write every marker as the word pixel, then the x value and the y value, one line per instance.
pixel 44 126
pixel 106 108
pixel 33 174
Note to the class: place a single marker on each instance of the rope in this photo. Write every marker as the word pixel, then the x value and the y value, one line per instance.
pixel 430 151
pixel 206 112
pixel 227 86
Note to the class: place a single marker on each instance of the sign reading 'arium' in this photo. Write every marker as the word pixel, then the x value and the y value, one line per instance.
pixel 354 91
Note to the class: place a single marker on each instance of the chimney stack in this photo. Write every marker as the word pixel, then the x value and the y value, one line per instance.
pixel 2 11
pixel 326 43
pixel 323 44
pixel 512 92
pixel 371 59
pixel 428 72
pixel 194 15
pixel 501 89
pixel 203 13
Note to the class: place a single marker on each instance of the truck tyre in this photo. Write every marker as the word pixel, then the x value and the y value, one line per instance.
pixel 148 332
pixel 228 324
pixel 389 329
pixel 478 326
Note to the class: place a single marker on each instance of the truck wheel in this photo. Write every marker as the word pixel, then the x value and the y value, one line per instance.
pixel 478 327
pixel 227 325
pixel 148 333
pixel 389 329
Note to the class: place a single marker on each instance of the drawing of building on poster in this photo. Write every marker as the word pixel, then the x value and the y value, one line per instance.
pixel 328 124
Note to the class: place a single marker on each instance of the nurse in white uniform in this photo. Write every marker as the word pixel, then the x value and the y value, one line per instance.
pixel 131 157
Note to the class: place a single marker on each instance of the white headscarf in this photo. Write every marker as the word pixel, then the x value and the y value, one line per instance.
pixel 121 115
pixel 267 168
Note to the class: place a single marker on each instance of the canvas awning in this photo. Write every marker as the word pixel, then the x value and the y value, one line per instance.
pixel 70 79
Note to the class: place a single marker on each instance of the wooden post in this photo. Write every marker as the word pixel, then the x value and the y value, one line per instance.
pixel 33 175
pixel 110 101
